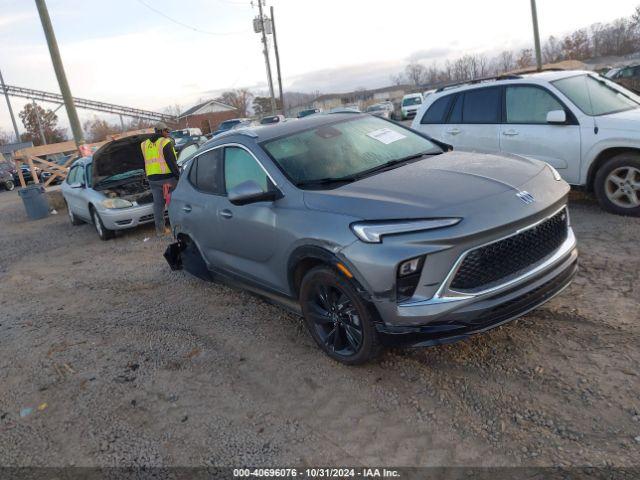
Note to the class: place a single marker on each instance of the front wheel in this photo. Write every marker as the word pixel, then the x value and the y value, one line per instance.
pixel 103 232
pixel 339 320
pixel 617 185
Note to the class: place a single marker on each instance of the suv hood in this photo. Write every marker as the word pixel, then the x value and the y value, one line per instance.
pixel 427 187
pixel 628 120
pixel 118 156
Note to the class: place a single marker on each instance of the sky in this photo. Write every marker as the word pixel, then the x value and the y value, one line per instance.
pixel 122 52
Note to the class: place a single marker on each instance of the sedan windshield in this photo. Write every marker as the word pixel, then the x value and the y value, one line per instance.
pixel 596 96
pixel 346 150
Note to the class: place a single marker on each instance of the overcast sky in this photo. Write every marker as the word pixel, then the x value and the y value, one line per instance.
pixel 120 51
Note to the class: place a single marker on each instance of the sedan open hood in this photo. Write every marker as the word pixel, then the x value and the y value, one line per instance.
pixel 427 187
pixel 118 156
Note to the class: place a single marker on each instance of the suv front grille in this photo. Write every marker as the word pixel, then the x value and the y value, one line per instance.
pixel 496 261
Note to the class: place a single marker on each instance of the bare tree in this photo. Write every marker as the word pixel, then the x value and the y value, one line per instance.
pixel 238 99
pixel 505 61
pixel 415 73
pixel 525 58
pixel 552 50
pixel 398 79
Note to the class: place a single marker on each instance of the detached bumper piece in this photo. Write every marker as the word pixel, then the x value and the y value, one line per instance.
pixel 461 326
pixel 186 256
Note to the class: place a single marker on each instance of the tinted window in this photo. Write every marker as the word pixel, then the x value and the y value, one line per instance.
pixel 205 174
pixel 529 105
pixel 481 106
pixel 240 166
pixel 437 111
pixel 456 111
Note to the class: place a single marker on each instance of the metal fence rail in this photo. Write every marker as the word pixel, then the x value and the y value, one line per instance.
pixel 87 104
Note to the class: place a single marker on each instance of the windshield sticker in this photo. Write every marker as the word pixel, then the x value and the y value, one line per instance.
pixel 386 135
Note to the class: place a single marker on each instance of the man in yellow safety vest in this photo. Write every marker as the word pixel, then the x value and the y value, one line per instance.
pixel 161 167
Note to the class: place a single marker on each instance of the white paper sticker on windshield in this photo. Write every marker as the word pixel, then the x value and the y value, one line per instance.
pixel 386 135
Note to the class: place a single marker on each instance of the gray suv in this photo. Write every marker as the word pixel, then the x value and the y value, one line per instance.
pixel 376 234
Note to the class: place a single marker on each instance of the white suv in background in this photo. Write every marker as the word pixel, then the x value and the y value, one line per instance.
pixel 584 125
pixel 410 104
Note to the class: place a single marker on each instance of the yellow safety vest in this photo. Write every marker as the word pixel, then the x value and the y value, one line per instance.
pixel 153 153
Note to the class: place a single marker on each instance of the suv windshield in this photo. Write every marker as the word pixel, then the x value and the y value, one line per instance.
pixel 411 101
pixel 596 96
pixel 346 150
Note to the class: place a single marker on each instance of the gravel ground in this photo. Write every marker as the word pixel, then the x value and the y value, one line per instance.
pixel 214 376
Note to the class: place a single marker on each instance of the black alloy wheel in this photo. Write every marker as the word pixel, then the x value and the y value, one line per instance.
pixel 338 319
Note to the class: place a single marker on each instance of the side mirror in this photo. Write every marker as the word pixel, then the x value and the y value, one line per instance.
pixel 557 117
pixel 250 192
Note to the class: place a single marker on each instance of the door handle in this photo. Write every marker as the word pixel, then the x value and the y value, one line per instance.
pixel 454 131
pixel 510 133
pixel 225 213
pixel 186 208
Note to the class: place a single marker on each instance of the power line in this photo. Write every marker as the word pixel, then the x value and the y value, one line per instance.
pixel 190 27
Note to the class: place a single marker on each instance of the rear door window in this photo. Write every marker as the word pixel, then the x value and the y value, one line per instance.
pixel 481 106
pixel 437 112
pixel 206 172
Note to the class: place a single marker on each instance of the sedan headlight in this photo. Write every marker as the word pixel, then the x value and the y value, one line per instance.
pixel 555 173
pixel 372 232
pixel 116 203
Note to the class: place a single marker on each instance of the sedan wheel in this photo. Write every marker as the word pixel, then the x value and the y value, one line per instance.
pixel 9 185
pixel 103 233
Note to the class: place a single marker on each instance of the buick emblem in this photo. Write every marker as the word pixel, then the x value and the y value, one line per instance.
pixel 526 197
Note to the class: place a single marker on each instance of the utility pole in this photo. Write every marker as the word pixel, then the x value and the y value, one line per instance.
pixel 536 34
pixel 266 58
pixel 13 119
pixel 275 48
pixel 74 121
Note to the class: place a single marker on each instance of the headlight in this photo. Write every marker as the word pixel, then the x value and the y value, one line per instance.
pixel 372 232
pixel 116 203
pixel 555 173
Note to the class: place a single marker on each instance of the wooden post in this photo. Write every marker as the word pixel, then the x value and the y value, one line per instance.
pixel 20 176
pixel 34 175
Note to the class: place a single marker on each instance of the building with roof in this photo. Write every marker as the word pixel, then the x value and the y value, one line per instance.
pixel 206 116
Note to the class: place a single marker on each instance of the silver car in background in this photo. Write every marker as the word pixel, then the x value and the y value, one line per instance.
pixel 110 189
pixel 375 233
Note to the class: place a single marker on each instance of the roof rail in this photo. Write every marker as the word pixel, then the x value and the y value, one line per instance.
pixel 507 76
pixel 535 70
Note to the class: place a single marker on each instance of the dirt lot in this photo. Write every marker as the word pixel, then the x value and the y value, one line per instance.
pixel 213 376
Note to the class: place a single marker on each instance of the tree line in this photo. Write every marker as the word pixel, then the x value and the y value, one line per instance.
pixel 617 38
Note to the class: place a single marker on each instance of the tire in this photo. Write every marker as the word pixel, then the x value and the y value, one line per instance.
pixel 72 216
pixel 103 233
pixel 9 185
pixel 339 320
pixel 617 185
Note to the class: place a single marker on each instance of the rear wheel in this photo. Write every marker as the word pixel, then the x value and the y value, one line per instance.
pixel 103 233
pixel 9 185
pixel 617 184
pixel 337 318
